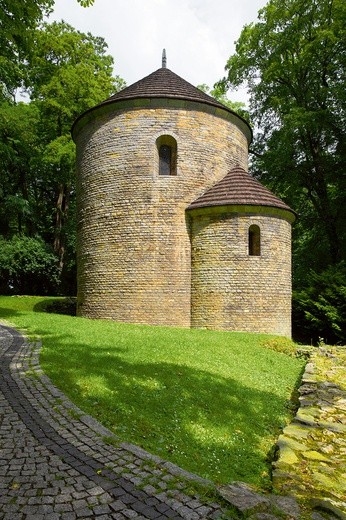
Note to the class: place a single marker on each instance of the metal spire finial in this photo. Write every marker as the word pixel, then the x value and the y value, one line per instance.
pixel 164 59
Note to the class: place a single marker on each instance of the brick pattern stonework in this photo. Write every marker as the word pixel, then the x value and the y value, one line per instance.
pixel 232 290
pixel 150 249
pixel 134 251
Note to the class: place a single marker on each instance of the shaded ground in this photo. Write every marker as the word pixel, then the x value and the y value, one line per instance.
pixel 57 463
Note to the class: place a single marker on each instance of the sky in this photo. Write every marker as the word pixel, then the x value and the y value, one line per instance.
pixel 198 35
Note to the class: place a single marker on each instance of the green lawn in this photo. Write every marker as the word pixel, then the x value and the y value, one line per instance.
pixel 211 402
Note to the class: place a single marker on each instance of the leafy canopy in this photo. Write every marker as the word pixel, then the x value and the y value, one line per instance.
pixel 320 308
pixel 64 73
pixel 17 19
pixel 293 64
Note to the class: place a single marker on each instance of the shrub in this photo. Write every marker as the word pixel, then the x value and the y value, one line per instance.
pixel 281 344
pixel 27 266
pixel 319 310
pixel 66 306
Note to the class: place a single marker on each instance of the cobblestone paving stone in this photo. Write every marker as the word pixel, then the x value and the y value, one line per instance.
pixel 55 463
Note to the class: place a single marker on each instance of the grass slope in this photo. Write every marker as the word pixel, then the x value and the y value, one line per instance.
pixel 212 402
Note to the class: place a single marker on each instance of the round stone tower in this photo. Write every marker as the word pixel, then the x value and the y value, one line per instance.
pixel 142 157
pixel 241 257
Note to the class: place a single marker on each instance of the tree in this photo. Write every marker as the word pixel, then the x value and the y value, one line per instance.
pixel 17 19
pixel 219 94
pixel 293 63
pixel 19 204
pixel 67 73
pixel 320 308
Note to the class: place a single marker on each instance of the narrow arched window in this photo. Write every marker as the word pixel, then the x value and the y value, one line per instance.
pixel 167 151
pixel 254 240
pixel 165 158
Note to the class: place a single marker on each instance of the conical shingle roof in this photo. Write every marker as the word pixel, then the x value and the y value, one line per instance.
pixel 163 83
pixel 239 188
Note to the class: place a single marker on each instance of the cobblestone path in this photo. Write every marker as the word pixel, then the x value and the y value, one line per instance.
pixel 57 463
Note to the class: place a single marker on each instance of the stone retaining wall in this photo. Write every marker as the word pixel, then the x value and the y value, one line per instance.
pixel 312 449
pixel 309 477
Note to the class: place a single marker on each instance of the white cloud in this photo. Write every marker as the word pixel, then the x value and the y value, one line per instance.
pixel 198 35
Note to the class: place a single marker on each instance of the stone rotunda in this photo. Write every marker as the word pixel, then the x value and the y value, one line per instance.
pixel 172 229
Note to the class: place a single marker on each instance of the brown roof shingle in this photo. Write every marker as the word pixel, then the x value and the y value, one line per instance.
pixel 238 188
pixel 163 83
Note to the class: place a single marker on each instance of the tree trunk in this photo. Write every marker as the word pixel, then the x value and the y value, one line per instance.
pixel 321 200
pixel 62 205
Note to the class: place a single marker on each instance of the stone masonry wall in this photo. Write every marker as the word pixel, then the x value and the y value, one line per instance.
pixel 134 252
pixel 312 448
pixel 232 290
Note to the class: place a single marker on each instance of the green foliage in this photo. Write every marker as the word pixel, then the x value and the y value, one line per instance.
pixel 20 207
pixel 27 266
pixel 69 71
pixel 65 73
pixel 86 3
pixel 212 402
pixel 320 308
pixel 281 344
pixel 219 94
pixel 61 306
pixel 293 61
pixel 17 19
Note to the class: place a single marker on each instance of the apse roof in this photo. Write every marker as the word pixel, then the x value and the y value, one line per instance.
pixel 238 188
